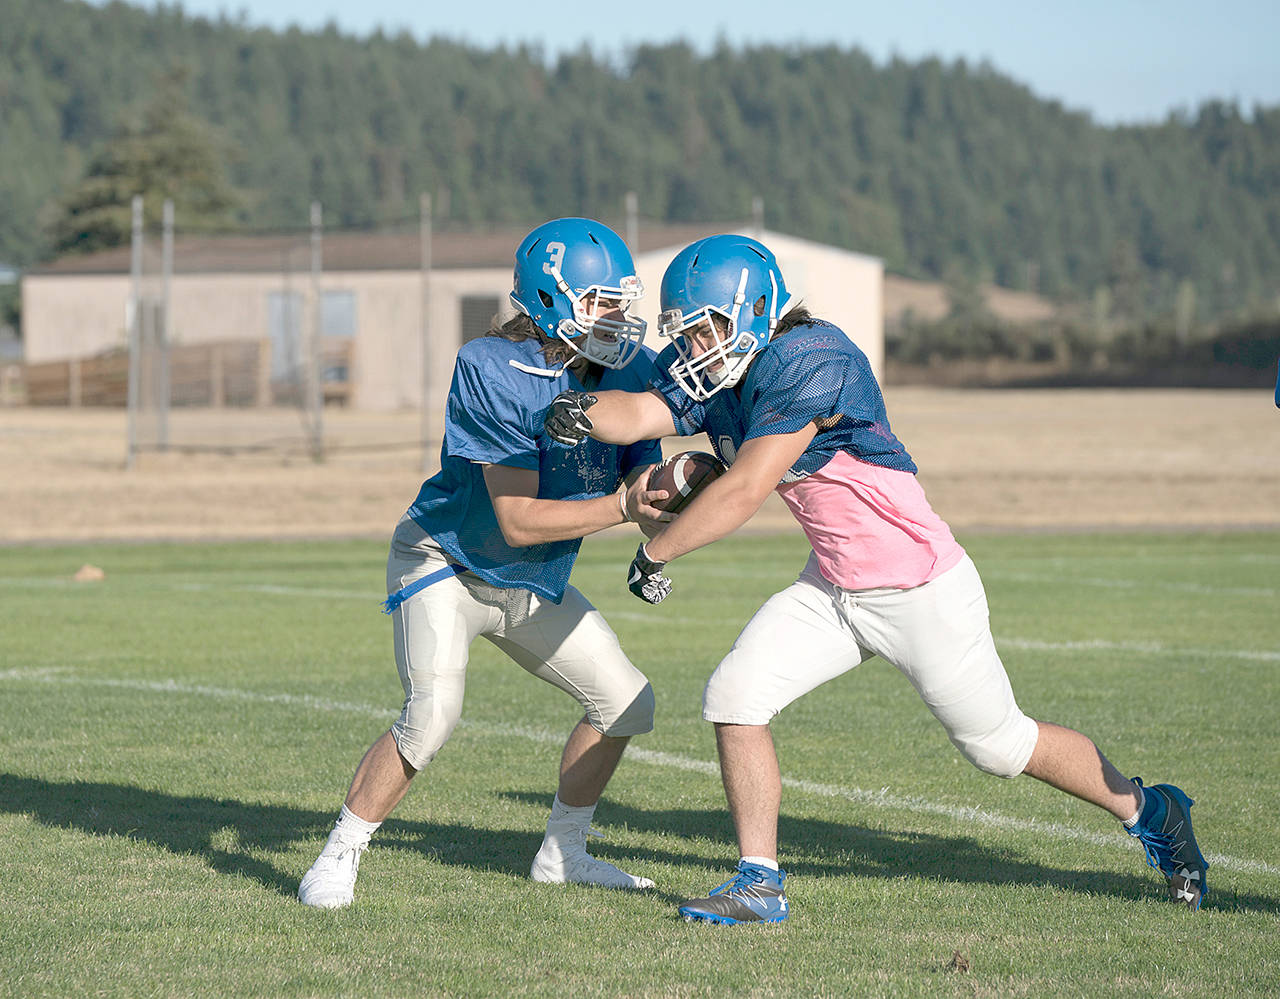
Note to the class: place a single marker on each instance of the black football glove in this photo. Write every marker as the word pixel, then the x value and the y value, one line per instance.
pixel 567 421
pixel 646 580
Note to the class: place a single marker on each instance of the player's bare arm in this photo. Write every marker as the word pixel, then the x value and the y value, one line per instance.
pixel 730 501
pixel 526 520
pixel 614 417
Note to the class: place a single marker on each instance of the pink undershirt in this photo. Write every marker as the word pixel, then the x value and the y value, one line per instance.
pixel 871 527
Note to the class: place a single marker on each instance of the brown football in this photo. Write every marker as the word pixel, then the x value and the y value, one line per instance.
pixel 683 476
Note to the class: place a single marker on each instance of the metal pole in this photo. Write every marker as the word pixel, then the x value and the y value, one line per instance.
pixel 315 397
pixel 163 395
pixel 134 317
pixel 632 202
pixel 757 215
pixel 428 410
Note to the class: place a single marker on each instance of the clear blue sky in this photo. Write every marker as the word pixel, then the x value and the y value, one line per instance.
pixel 1123 60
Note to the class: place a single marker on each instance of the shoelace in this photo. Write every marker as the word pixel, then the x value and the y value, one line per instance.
pixel 355 849
pixel 591 832
pixel 1153 843
pixel 742 881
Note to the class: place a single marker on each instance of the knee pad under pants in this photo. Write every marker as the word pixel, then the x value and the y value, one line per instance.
pixel 938 635
pixel 568 645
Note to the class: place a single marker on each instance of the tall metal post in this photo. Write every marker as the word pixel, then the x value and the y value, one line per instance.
pixel 315 390
pixel 632 202
pixel 134 320
pixel 757 216
pixel 428 397
pixel 163 395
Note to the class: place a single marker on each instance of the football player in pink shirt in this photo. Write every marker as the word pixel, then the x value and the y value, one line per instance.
pixel 790 403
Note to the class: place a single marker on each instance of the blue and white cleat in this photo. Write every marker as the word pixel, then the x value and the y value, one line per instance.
pixel 755 895
pixel 1165 833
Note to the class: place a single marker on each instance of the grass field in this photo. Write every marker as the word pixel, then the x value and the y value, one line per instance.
pixel 176 740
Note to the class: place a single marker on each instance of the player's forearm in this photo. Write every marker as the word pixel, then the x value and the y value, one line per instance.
pixel 626 417
pixel 718 511
pixel 526 521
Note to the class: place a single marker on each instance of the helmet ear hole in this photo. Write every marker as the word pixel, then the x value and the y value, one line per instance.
pixel 547 301
pixel 759 307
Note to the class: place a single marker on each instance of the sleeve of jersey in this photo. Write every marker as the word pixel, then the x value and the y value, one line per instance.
pixel 687 413
pixel 804 386
pixel 484 421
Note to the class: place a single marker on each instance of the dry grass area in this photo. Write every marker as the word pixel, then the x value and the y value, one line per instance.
pixel 989 459
pixel 929 300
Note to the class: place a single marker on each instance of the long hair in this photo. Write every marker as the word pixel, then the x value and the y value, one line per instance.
pixel 521 327
pixel 797 315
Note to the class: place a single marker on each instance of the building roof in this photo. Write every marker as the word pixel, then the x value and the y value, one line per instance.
pixel 344 251
pixel 457 248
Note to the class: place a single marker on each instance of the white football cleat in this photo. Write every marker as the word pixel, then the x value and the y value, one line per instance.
pixel 573 865
pixel 331 881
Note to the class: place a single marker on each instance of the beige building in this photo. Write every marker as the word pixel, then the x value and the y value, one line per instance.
pixel 372 292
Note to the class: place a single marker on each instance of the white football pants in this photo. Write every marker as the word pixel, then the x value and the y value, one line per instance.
pixel 568 645
pixel 938 635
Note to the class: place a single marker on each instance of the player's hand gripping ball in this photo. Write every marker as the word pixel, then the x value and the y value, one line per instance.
pixel 683 476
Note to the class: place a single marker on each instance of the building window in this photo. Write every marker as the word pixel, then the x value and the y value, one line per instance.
pixel 477 315
pixel 284 321
pixel 338 313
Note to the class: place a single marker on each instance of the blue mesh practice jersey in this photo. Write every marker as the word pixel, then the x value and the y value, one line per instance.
pixel 498 400
pixel 813 372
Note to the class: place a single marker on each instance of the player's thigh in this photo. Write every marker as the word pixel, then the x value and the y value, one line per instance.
pixel 571 646
pixel 793 644
pixel 432 631
pixel 939 636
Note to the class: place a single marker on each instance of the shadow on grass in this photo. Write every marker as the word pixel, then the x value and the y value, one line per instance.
pixel 835 848
pixel 233 836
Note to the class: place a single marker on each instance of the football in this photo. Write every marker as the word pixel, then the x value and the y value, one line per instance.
pixel 683 476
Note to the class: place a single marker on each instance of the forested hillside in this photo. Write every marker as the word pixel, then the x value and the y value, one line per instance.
pixel 943 169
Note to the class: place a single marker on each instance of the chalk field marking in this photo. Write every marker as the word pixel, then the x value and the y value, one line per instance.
pixel 659 616
pixel 991 575
pixel 875 799
pixel 1133 584
pixel 1139 648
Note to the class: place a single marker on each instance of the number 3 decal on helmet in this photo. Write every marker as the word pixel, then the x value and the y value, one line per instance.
pixel 576 280
pixel 555 254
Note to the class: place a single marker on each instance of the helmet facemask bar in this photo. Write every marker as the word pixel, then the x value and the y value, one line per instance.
pixel 602 339
pixel 729 353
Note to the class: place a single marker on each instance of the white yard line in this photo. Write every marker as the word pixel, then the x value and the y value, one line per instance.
pixel 662 615
pixel 875 799
pixel 1139 648
pixel 1105 583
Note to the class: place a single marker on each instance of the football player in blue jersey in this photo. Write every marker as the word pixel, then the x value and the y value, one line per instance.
pixel 487 547
pixel 791 403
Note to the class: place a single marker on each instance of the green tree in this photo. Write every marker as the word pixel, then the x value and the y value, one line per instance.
pixel 932 164
pixel 169 153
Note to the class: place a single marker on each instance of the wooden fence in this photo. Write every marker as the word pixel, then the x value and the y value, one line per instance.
pixel 223 373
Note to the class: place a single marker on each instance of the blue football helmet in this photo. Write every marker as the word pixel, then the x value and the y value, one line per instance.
pixel 730 290
pixel 576 280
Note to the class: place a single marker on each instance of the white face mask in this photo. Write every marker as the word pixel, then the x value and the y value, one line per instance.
pixel 712 355
pixel 719 356
pixel 602 329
